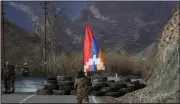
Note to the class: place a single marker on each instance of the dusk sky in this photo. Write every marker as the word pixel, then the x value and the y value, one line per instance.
pixel 16 16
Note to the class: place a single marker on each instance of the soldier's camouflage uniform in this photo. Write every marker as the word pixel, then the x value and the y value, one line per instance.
pixel 9 78
pixel 82 89
pixel 25 71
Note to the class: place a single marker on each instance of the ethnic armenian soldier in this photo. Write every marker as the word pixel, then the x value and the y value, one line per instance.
pixel 9 78
pixel 81 85
pixel 25 70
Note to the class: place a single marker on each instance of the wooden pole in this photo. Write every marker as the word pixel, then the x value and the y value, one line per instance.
pixel 3 37
pixel 45 57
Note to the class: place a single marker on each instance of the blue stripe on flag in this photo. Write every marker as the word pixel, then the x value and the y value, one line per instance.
pixel 95 51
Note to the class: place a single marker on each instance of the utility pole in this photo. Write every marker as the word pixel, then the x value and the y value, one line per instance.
pixel 45 35
pixel 3 39
pixel 45 15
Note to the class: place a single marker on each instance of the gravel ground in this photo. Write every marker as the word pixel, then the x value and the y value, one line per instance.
pixel 148 95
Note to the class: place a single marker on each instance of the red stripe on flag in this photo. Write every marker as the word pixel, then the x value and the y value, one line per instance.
pixel 87 46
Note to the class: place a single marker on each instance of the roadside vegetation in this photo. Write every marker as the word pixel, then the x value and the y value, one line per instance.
pixel 123 64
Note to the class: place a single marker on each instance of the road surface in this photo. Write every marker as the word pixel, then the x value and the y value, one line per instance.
pixel 25 93
pixel 33 98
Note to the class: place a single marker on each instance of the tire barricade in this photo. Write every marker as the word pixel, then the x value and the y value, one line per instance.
pixel 101 86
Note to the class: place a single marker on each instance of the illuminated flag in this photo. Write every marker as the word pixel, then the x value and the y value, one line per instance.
pixel 93 57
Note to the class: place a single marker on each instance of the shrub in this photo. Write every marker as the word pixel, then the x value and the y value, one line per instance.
pixel 123 64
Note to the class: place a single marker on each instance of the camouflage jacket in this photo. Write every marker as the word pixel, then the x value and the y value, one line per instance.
pixel 24 70
pixel 81 85
pixel 9 71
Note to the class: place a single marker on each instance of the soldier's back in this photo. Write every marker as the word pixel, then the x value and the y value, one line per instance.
pixel 82 85
pixel 82 82
pixel 12 69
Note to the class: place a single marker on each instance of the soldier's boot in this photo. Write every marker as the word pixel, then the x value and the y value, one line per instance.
pixel 8 90
pixel 79 100
pixel 86 99
pixel 13 86
pixel 9 86
pixel 5 86
pixel 13 90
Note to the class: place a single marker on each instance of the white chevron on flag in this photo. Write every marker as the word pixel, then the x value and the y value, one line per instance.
pixel 93 61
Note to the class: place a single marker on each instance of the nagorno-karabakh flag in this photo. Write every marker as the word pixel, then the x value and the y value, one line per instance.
pixel 93 57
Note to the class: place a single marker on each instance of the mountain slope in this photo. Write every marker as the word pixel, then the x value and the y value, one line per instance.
pixel 20 47
pixel 121 25
pixel 164 77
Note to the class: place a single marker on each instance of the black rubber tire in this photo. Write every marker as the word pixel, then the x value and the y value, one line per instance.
pixel 51 78
pixel 121 81
pixel 50 87
pixel 105 89
pixel 142 86
pixel 67 92
pixel 114 89
pixel 114 94
pixel 128 79
pixel 97 93
pixel 50 82
pixel 73 92
pixel 138 85
pixel 65 83
pixel 99 79
pixel 136 82
pixel 100 84
pixel 111 81
pixel 89 77
pixel 58 92
pixel 131 86
pixel 64 78
pixel 90 88
pixel 117 85
pixel 61 92
pixel 45 83
pixel 43 92
pixel 96 88
pixel 125 90
pixel 66 88
pixel 73 79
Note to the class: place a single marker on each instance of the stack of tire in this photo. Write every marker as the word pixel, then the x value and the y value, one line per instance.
pixel 116 88
pixel 104 87
pixel 122 87
pixel 65 85
pixel 138 83
pixel 100 86
pixel 50 84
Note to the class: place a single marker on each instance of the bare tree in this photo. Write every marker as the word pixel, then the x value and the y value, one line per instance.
pixel 56 20
pixel 55 25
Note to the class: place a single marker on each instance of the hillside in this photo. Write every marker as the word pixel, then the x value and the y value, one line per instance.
pixel 122 25
pixel 130 26
pixel 21 47
pixel 163 80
